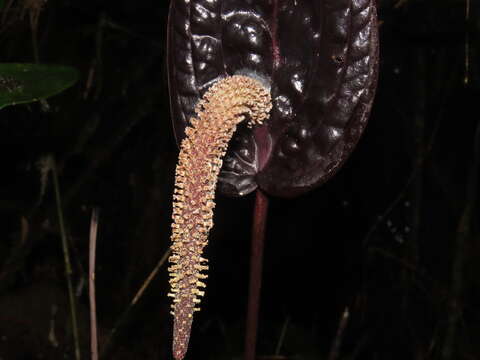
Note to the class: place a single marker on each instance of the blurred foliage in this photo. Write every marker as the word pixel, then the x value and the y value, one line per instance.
pixel 24 83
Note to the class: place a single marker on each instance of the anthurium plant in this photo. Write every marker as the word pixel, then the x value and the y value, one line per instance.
pixel 302 75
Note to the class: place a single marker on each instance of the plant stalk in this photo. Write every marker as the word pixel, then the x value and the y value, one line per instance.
pixel 66 257
pixel 256 262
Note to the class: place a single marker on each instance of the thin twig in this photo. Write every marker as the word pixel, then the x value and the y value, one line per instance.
pixel 125 315
pixel 96 65
pixel 281 339
pixel 66 258
pixel 91 284
pixel 150 277
pixel 337 343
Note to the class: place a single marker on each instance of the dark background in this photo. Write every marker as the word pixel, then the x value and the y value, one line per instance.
pixel 393 237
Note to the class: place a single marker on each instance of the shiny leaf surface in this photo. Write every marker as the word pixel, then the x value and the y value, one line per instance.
pixel 320 58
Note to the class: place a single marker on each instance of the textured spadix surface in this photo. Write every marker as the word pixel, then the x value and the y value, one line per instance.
pixel 320 58
pixel 222 108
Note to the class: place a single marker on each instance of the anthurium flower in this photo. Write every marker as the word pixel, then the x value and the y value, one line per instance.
pixel 302 72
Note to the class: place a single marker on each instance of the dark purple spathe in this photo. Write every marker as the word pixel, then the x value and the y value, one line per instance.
pixel 320 58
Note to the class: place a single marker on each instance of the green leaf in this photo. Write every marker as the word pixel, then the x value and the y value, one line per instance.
pixel 24 83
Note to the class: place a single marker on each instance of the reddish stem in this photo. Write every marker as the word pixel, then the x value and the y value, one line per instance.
pixel 256 261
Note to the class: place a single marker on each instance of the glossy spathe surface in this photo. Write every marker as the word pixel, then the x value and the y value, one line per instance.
pixel 319 57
